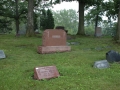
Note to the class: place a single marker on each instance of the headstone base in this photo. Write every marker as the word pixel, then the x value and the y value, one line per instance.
pixel 53 49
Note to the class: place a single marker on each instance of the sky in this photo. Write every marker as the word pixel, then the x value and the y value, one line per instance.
pixel 66 5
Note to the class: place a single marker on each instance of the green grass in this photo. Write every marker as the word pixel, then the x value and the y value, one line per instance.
pixel 75 67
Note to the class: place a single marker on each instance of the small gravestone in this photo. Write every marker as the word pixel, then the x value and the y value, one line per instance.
pixel 112 56
pixel 61 27
pixel 2 55
pixel 98 32
pixel 53 40
pixel 101 64
pixel 47 72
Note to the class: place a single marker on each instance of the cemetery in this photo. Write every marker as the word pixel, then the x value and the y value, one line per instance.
pixel 44 49
pixel 84 63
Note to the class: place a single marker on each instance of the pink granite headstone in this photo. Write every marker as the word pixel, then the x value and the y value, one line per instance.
pixel 47 72
pixel 53 40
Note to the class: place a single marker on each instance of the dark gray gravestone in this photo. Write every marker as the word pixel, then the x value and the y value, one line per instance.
pixel 2 55
pixel 101 64
pixel 112 56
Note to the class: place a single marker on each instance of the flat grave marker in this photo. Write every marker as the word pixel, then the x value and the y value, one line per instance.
pixel 2 54
pixel 46 72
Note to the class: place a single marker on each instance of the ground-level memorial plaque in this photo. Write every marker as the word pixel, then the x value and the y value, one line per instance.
pixel 2 55
pixel 101 64
pixel 47 72
pixel 53 40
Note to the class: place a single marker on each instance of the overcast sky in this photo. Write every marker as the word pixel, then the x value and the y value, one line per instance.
pixel 66 5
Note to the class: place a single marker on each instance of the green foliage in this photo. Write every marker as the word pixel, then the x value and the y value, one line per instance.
pixel 46 20
pixel 5 25
pixel 90 29
pixel 68 19
pixel 95 13
pixel 75 67
pixel 50 20
pixel 109 28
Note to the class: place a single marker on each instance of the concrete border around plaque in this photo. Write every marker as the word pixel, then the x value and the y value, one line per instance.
pixel 46 72
pixel 2 54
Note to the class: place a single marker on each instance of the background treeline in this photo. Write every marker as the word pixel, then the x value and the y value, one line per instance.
pixel 13 17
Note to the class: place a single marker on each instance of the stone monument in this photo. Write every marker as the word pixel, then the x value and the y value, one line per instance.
pixel 112 56
pixel 53 40
pixel 47 72
pixel 2 54
pixel 101 64
pixel 98 32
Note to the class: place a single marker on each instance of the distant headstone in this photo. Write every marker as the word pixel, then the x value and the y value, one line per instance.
pixel 98 32
pixel 22 30
pixel 53 40
pixel 112 56
pixel 2 55
pixel 61 27
pixel 101 64
pixel 47 72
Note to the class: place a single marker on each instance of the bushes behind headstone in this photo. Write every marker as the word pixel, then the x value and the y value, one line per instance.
pixel 46 20
pixel 61 27
pixel 5 25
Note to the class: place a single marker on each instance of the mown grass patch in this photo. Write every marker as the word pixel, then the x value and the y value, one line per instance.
pixel 75 67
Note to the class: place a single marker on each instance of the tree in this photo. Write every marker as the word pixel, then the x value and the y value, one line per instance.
pixel 114 13
pixel 46 20
pixel 117 13
pixel 30 20
pixel 14 9
pixel 118 26
pixel 33 5
pixel 68 19
pixel 50 20
pixel 82 4
pixel 5 25
pixel 95 14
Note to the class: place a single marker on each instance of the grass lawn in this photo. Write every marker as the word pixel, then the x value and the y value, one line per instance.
pixel 75 67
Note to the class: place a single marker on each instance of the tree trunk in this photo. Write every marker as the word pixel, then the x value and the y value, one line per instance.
pixel 17 18
pixel 96 24
pixel 117 36
pixel 30 20
pixel 81 19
